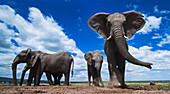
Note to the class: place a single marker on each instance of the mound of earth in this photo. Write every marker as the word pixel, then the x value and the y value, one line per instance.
pixel 81 89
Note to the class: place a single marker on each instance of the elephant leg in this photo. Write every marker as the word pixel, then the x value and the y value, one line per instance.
pixel 109 60
pixel 59 78
pixel 89 74
pixel 55 79
pixel 115 75
pixel 38 75
pixel 23 74
pixel 110 70
pixel 38 78
pixel 100 78
pixel 95 76
pixel 31 75
pixel 98 69
pixel 121 67
pixel 89 78
pixel 66 82
pixel 49 78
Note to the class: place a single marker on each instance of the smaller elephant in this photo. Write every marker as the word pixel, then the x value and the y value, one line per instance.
pixel 94 63
pixel 57 77
pixel 39 62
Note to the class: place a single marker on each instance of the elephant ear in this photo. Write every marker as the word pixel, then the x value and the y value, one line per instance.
pixel 134 22
pixel 88 58
pixel 101 57
pixel 28 51
pixel 34 60
pixel 98 23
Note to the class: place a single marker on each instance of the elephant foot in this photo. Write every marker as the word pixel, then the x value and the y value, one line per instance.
pixel 36 84
pixel 58 84
pixel 66 84
pixel 28 84
pixel 124 86
pixel 114 83
pixel 102 86
pixel 96 82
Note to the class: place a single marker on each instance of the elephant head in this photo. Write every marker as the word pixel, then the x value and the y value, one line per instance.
pixel 24 56
pixel 88 57
pixel 117 26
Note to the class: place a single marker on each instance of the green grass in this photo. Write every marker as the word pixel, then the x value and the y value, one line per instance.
pixel 6 84
pixel 148 81
pixel 127 82
pixel 74 83
pixel 164 87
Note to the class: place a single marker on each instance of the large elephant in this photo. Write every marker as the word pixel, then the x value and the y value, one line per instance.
pixel 94 63
pixel 115 29
pixel 39 62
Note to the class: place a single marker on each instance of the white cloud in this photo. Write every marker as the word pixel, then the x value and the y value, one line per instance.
pixel 133 6
pixel 159 58
pixel 151 23
pixel 165 40
pixel 157 36
pixel 39 33
pixel 6 36
pixel 156 10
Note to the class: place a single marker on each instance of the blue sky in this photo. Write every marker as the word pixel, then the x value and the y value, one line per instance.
pixel 61 26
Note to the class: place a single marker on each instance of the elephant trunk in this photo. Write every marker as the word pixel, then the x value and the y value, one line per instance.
pixel 14 70
pixel 121 44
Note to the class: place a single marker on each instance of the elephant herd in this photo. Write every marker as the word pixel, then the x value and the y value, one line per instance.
pixel 114 28
pixel 39 62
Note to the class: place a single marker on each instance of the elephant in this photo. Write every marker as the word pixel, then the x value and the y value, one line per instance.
pixel 94 63
pixel 39 62
pixel 57 77
pixel 116 28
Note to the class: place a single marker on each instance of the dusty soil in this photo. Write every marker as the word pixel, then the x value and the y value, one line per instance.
pixel 82 89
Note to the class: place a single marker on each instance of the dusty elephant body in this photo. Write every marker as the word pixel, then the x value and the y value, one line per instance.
pixel 39 62
pixel 94 64
pixel 116 28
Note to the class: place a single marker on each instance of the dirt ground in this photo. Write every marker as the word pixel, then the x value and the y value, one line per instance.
pixel 82 89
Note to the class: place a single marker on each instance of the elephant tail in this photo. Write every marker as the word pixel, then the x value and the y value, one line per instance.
pixel 72 68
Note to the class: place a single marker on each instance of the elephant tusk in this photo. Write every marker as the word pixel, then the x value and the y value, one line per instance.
pixel 109 37
pixel 7 63
pixel 126 37
pixel 9 66
pixel 20 71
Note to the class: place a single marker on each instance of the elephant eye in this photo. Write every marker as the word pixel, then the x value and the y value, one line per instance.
pixel 23 55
